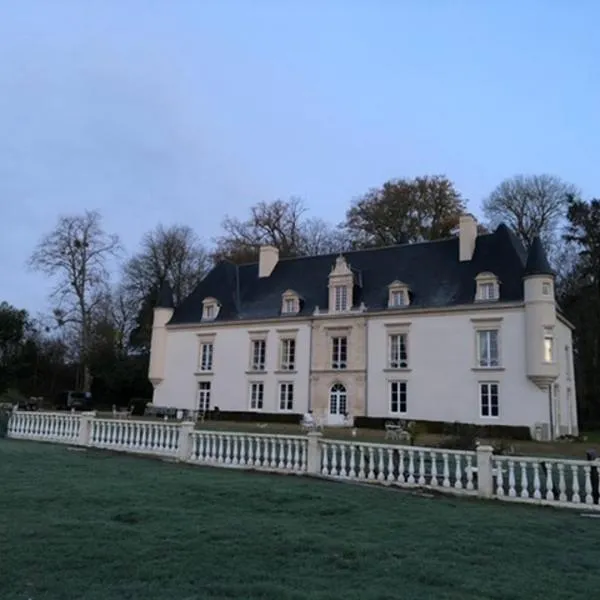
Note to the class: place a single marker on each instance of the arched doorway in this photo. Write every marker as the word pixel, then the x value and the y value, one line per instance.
pixel 338 404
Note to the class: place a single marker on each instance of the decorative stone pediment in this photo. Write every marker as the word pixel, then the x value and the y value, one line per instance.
pixel 290 303
pixel 488 287
pixel 398 294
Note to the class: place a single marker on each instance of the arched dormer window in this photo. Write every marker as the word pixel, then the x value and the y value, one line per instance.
pixel 341 283
pixel 488 287
pixel 290 303
pixel 210 309
pixel 398 294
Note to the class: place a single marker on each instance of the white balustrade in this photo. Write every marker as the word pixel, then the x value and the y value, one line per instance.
pixel 540 480
pixel 399 465
pixel 248 450
pixel 147 437
pixel 45 426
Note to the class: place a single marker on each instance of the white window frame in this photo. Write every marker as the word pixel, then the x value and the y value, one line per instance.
pixel 210 309
pixel 400 389
pixel 341 294
pixel 488 362
pixel 397 342
pixel 486 389
pixel 546 288
pixel 339 352
pixel 207 352
pixel 204 396
pixel 338 396
pixel 257 395
pixel 258 357
pixel 488 287
pixel 286 396
pixel 287 354
pixel 549 346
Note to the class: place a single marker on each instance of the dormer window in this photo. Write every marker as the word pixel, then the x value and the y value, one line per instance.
pixel 398 296
pixel 488 287
pixel 341 284
pixel 210 309
pixel 290 303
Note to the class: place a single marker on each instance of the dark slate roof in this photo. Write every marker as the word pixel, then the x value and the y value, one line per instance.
pixel 165 296
pixel 537 261
pixel 432 270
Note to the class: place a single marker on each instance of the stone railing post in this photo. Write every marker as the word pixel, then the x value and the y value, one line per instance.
pixel 485 479
pixel 184 449
pixel 313 455
pixel 85 428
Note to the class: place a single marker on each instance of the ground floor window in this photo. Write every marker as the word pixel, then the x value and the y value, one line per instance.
pixel 398 397
pixel 338 400
pixel 286 396
pixel 257 395
pixel 204 396
pixel 488 399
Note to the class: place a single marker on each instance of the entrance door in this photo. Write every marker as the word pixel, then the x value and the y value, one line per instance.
pixel 338 404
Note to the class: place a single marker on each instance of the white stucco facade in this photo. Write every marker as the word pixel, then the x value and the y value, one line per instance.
pixel 231 374
pixel 443 376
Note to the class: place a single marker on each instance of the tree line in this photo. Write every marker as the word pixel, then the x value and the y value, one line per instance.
pixel 97 334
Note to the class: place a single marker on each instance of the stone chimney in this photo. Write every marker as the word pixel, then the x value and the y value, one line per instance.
pixel 467 237
pixel 267 260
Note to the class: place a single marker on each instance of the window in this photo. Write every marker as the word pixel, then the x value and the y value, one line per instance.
pixel 210 309
pixel 338 400
pixel 289 305
pixel 339 354
pixel 487 348
pixel 257 395
pixel 288 354
pixel 341 298
pixel 548 345
pixel 398 298
pixel 546 288
pixel 209 312
pixel 286 396
pixel 206 356
pixel 204 396
pixel 259 353
pixel 397 397
pixel 398 357
pixel 487 291
pixel 488 398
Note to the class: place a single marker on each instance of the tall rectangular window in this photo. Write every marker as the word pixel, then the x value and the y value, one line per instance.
pixel 397 397
pixel 398 351
pixel 289 305
pixel 398 298
pixel 487 291
pixel 488 399
pixel 548 345
pixel 259 355
pixel 204 396
pixel 487 348
pixel 286 396
pixel 339 353
pixel 341 298
pixel 206 356
pixel 257 395
pixel 288 354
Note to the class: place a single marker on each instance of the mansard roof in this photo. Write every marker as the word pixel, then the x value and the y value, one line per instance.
pixel 432 270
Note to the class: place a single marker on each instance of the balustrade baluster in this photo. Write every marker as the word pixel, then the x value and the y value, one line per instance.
pixel 343 471
pixel 470 485
pixel 422 479
pixel 458 471
pixel 499 477
pixel 537 491
pixel 380 465
pixel 361 462
pixel 390 465
pixel 371 474
pixel 324 458
pixel 411 466
pixel 434 480
pixel 512 489
pixel 575 498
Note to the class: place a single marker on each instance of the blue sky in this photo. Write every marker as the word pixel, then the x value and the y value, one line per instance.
pixel 182 111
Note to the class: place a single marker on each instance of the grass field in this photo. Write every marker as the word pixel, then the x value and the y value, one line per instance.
pixel 97 526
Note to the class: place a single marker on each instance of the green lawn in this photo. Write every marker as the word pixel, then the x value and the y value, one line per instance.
pixel 96 526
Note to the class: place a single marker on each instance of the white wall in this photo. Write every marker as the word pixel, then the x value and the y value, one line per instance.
pixel 231 359
pixel 442 380
pixel 566 404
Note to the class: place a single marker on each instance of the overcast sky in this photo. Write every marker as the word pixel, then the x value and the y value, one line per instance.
pixel 182 111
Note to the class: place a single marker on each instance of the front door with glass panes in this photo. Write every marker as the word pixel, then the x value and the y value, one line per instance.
pixel 203 399
pixel 338 405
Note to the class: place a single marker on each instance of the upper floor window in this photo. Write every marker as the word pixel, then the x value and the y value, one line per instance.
pixel 487 348
pixel 339 352
pixel 259 355
pixel 546 288
pixel 488 287
pixel 206 356
pixel 398 351
pixel 548 345
pixel 210 309
pixel 288 354
pixel 398 295
pixel 488 399
pixel 290 303
pixel 341 298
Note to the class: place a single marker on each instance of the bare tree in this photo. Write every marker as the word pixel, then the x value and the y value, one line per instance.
pixel 75 254
pixel 531 205
pixel 319 237
pixel 173 254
